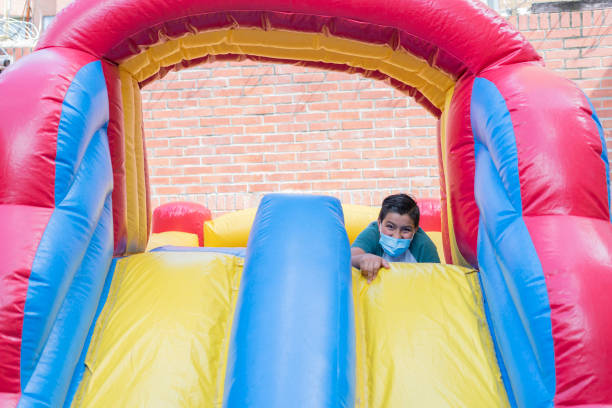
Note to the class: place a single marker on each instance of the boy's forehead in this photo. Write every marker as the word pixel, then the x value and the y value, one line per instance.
pixel 400 220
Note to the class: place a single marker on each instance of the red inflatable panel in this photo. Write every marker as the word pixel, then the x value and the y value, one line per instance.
pixel 17 254
pixel 461 164
pixel 578 277
pixel 27 164
pixel 181 216
pixel 335 26
pixel 448 256
pixel 117 149
pixel 429 209
pixel 446 24
pixel 548 111
pixel 27 184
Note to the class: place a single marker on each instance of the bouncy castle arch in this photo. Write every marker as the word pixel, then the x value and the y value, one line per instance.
pixel 522 155
pixel 415 48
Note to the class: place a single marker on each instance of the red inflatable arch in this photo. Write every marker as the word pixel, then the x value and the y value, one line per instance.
pixel 524 169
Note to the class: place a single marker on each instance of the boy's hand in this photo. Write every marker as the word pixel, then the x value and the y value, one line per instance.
pixel 370 264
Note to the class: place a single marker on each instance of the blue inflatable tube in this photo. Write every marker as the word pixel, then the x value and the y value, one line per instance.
pixel 514 286
pixel 74 254
pixel 292 341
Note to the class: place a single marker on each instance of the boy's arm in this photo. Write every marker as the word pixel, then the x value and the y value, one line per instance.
pixel 367 239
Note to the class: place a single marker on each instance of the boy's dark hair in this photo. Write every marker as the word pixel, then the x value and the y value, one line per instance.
pixel 401 204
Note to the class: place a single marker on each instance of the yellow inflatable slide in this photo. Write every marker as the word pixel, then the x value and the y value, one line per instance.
pixel 163 335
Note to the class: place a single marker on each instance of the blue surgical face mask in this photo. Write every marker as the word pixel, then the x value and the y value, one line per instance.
pixel 394 246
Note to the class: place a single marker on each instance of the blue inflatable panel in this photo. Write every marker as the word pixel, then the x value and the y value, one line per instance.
pixel 500 360
pixel 51 379
pixel 293 339
pixel 73 253
pixel 604 152
pixel 80 367
pixel 511 272
pixel 236 251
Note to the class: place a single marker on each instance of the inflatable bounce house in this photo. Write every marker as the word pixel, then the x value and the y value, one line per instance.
pixel 518 316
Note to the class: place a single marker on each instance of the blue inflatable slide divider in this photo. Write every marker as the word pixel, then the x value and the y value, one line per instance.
pixel 293 335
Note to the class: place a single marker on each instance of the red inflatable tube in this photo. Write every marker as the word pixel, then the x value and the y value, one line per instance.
pixel 181 216
pixel 422 20
pixel 28 145
pixel 117 149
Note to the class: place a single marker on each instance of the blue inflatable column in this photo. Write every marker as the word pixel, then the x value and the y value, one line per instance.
pixel 293 340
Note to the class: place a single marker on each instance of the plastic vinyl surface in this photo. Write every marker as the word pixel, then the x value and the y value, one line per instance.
pixel 413 54
pixel 425 26
pixel 229 230
pixel 452 254
pixel 540 301
pixel 173 238
pixel 116 144
pixel 233 229
pixel 74 253
pixel 136 186
pixel 408 72
pixel 492 191
pixel 579 293
pixel 181 216
pixel 514 285
pixel 162 336
pixel 161 339
pixel 80 368
pixel 287 347
pixel 422 340
pixel 38 204
pixel 235 251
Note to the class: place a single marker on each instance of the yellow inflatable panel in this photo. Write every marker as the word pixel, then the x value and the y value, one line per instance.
pixel 176 238
pixel 357 218
pixel 229 230
pixel 141 186
pixel 436 237
pixel 162 337
pixel 131 162
pixel 232 229
pixel 422 340
pixel 294 45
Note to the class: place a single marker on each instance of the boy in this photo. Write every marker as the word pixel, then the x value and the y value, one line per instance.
pixel 395 237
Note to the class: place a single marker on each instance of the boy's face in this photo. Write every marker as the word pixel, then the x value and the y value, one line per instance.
pixel 397 226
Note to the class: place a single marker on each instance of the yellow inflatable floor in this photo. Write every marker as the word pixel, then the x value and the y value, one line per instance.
pixel 162 337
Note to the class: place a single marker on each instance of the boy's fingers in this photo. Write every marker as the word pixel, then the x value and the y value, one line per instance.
pixel 374 273
pixel 385 264
pixel 367 273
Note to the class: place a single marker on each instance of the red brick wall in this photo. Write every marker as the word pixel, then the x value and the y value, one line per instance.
pixel 225 134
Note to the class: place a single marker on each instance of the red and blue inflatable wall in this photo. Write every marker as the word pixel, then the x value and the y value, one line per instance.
pixel 526 179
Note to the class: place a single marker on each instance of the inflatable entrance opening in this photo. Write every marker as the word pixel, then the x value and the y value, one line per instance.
pixel 524 172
